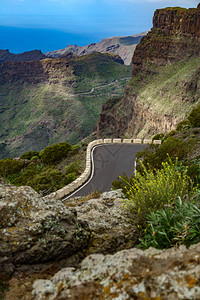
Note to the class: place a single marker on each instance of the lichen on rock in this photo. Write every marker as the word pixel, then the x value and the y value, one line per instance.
pixel 110 228
pixel 128 274
pixel 35 230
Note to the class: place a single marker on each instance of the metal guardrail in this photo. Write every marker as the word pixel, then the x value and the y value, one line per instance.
pixel 70 188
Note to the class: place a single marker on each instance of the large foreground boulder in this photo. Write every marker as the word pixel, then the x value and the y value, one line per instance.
pixel 108 223
pixel 36 231
pixel 128 274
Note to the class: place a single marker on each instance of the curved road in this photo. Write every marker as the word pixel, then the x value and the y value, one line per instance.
pixel 98 86
pixel 110 161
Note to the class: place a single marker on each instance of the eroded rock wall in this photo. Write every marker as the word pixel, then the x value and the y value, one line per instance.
pixel 166 81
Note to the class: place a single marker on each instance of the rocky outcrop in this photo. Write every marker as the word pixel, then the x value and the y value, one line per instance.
pixel 128 274
pixel 34 72
pixel 175 35
pixel 107 221
pixel 33 55
pixel 35 232
pixel 39 232
pixel 166 78
pixel 123 46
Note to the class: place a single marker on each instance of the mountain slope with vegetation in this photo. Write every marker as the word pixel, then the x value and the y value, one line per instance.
pixel 55 100
pixel 166 78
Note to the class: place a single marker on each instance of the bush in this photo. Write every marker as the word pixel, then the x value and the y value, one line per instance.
pixel 194 170
pixel 155 189
pixel 172 147
pixel 26 176
pixel 9 167
pixel 75 149
pixel 34 158
pixel 158 136
pixel 73 168
pixel 194 117
pixel 70 177
pixel 29 154
pixel 173 225
pixel 56 152
pixel 183 125
pixel 47 181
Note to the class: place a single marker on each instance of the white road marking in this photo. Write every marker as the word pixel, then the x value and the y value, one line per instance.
pixel 91 176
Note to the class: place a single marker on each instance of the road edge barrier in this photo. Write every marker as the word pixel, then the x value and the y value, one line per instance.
pixel 70 188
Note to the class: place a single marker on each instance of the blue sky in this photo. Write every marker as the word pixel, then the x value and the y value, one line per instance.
pixel 53 24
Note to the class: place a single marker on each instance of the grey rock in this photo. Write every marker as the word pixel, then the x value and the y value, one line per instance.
pixel 34 230
pixel 130 274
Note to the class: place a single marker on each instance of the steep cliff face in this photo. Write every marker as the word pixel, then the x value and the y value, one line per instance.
pixel 166 78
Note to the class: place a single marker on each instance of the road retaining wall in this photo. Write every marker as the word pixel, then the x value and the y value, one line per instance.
pixel 70 188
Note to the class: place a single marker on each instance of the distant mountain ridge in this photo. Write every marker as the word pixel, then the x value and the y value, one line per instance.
pixel 124 46
pixel 33 55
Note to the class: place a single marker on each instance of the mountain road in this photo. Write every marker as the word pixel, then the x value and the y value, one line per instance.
pixel 108 162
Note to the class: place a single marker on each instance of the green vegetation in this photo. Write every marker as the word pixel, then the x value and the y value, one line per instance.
pixel 167 92
pixel 37 112
pixel 49 170
pixel 54 153
pixel 176 224
pixel 163 198
pixel 30 155
pixel 177 8
pixel 150 190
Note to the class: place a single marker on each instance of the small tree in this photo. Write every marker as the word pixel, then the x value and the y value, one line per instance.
pixel 54 153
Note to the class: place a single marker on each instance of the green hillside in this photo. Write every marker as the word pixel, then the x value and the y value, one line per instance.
pixel 51 101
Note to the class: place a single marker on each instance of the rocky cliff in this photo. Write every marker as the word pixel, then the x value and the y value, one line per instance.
pixel 166 78
pixel 33 55
pixel 121 45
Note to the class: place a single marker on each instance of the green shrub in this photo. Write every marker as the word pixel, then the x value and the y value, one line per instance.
pixel 26 176
pixel 47 181
pixel 75 149
pixel 29 154
pixel 172 147
pixel 154 189
pixel 194 171
pixel 173 225
pixel 194 117
pixel 158 136
pixel 70 177
pixel 9 167
pixel 54 153
pixel 183 125
pixel 73 168
pixel 34 158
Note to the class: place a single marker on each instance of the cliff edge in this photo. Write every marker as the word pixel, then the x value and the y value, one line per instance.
pixel 166 78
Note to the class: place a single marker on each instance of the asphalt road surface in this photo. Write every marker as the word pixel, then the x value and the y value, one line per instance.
pixel 110 161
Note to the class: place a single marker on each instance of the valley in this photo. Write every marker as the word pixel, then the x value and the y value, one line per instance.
pixel 141 239
pixel 55 100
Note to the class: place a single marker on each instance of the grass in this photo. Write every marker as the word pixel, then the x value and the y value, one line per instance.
pixel 172 92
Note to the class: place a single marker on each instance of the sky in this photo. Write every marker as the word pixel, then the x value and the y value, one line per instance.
pixel 53 24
